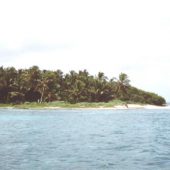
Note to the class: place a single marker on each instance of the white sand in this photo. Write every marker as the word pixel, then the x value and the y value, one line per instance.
pixel 118 107
pixel 138 106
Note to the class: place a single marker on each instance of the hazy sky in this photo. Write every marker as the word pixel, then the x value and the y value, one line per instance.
pixel 112 36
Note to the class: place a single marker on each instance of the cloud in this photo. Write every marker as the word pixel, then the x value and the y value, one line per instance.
pixel 110 36
pixel 32 47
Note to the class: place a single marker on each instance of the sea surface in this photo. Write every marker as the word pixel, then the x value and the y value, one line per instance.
pixel 84 139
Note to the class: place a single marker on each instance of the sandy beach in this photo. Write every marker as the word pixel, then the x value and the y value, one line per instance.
pixel 137 106
pixel 118 107
pixel 115 107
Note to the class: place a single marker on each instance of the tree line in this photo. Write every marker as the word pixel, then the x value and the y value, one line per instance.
pixel 35 85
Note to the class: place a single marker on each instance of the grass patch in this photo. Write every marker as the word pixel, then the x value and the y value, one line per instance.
pixel 62 104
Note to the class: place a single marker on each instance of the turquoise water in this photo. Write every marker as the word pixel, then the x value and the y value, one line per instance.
pixel 84 139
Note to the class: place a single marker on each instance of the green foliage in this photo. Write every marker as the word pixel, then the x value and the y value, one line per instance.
pixel 41 86
pixel 145 97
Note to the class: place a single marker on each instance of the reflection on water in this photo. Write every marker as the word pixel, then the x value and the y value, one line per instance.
pixel 84 139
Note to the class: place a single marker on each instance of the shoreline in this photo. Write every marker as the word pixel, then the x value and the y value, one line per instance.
pixel 116 107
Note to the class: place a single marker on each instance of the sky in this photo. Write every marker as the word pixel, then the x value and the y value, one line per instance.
pixel 111 36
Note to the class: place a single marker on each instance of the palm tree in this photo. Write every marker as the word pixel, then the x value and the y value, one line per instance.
pixel 47 86
pixel 122 85
pixel 42 87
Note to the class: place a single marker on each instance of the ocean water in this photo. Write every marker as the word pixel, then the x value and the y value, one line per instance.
pixel 84 139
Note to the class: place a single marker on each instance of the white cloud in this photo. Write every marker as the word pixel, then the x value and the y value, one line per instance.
pixel 110 36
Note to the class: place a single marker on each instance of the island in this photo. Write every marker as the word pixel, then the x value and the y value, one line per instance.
pixel 36 88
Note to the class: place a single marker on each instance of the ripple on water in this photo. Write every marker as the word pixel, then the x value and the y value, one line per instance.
pixel 84 139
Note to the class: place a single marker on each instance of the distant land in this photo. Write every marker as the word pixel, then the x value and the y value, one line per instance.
pixel 19 86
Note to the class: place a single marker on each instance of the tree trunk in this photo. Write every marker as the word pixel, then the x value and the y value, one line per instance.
pixel 42 95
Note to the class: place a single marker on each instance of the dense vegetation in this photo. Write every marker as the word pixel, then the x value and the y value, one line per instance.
pixel 35 85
